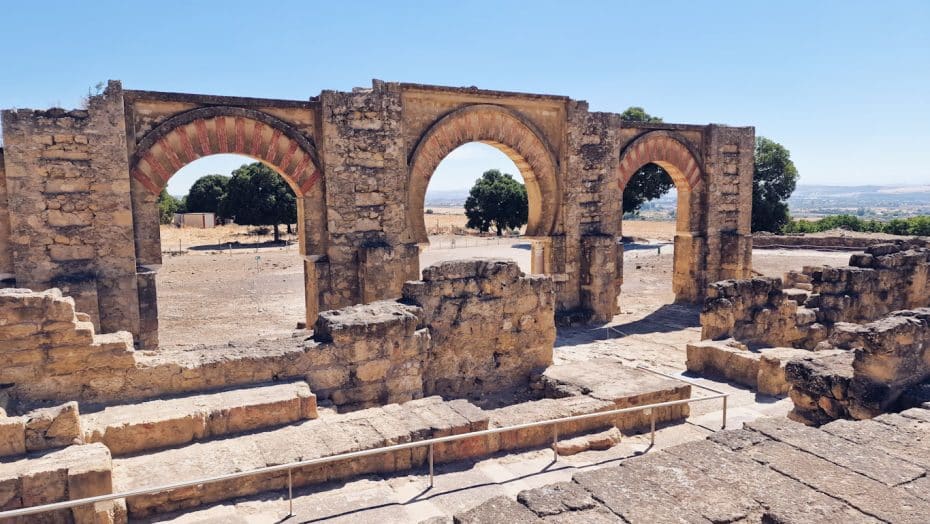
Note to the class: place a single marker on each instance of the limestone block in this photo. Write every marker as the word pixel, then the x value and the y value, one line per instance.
pixel 723 359
pixel 12 436
pixel 54 427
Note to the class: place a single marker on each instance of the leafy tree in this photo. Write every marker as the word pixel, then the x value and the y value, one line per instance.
pixel 206 195
pixel 773 182
pixel 257 196
pixel 650 181
pixel 167 207
pixel 496 200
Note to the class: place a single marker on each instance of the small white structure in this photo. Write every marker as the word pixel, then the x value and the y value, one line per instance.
pixel 195 220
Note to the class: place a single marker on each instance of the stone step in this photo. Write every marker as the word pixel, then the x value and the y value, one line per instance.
pixel 157 424
pixel 70 473
pixel 382 426
pixel 326 436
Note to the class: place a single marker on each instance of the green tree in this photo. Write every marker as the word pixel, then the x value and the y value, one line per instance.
pixel 257 196
pixel 773 182
pixel 206 195
pixel 496 200
pixel 167 207
pixel 650 181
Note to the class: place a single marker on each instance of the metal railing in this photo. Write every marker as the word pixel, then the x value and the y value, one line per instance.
pixel 555 422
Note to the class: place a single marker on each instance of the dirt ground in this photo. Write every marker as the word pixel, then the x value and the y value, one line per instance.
pixel 227 286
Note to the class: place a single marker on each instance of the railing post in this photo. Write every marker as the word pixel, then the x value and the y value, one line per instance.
pixel 555 443
pixel 290 495
pixel 431 465
pixel 652 422
pixel 724 426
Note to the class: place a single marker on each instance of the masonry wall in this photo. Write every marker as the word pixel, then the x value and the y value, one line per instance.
pixel 67 183
pixel 886 357
pixel 886 278
pixel 481 327
pixel 7 271
pixel 491 327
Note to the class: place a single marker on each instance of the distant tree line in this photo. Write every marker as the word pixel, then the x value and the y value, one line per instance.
pixel 255 195
pixel 915 226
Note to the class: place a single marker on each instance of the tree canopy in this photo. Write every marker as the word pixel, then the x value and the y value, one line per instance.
pixel 496 200
pixel 206 195
pixel 257 196
pixel 167 207
pixel 650 181
pixel 773 181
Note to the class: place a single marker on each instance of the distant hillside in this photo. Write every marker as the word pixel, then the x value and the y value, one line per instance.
pixel 882 202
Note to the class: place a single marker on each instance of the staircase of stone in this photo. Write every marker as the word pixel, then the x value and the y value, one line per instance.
pixel 772 470
pixel 156 424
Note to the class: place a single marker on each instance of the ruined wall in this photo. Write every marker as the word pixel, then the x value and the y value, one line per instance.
pixel 67 183
pixel 490 326
pixel 757 311
pixel 839 241
pixel 369 355
pixel 479 327
pixel 887 277
pixel 885 358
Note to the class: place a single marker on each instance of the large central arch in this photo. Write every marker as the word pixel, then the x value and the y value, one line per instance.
pixel 509 132
pixel 683 165
pixel 188 136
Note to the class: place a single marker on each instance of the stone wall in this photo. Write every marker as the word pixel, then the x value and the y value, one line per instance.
pixel 80 188
pixel 803 241
pixel 491 327
pixel 67 185
pixel 479 327
pixel 884 359
pixel 886 278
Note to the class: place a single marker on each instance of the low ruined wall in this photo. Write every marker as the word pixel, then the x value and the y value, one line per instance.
pixel 757 311
pixel 491 327
pixel 886 278
pixel 885 358
pixel 802 241
pixel 482 327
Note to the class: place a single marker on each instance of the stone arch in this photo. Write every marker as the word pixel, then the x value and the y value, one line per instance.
pixel 509 132
pixel 214 130
pixel 198 133
pixel 683 165
pixel 674 156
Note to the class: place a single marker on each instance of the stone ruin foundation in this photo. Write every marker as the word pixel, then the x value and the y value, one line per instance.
pixel 843 342
pixel 85 414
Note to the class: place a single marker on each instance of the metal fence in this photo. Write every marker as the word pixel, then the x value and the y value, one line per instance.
pixel 555 422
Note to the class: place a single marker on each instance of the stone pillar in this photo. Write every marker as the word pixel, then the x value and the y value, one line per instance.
pixel 7 273
pixel 70 213
pixel 593 210
pixel 148 308
pixel 599 285
pixel 366 177
pixel 728 168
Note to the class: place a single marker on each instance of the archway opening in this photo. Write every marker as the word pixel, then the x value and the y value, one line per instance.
pixel 226 277
pixel 454 224
pixel 651 220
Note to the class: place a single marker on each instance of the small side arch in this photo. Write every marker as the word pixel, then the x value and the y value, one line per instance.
pixel 509 132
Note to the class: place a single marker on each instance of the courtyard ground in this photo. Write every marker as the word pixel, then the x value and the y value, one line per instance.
pixel 209 295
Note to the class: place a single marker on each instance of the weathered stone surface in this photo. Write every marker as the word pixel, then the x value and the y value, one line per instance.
pixel 554 499
pixel 819 387
pixel 869 496
pixel 865 460
pixel 67 474
pixel 596 441
pixel 12 436
pixel 54 427
pixel 728 360
pixel 160 423
pixel 498 509
pixel 885 438
pixel 490 326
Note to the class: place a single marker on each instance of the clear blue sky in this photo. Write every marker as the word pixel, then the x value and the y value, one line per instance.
pixel 845 85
